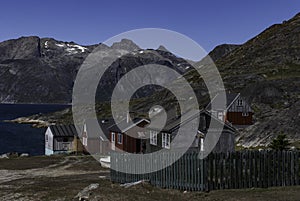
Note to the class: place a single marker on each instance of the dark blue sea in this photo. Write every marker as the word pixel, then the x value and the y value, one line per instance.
pixel 23 138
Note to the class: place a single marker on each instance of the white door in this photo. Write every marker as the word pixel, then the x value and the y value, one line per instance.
pixel 113 141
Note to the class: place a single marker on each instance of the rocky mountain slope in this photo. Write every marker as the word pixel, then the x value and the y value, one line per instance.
pixel 39 70
pixel 43 70
pixel 266 70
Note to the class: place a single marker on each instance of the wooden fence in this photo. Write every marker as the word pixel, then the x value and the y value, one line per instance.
pixel 244 169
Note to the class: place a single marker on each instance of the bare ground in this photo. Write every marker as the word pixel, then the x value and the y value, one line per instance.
pixel 62 177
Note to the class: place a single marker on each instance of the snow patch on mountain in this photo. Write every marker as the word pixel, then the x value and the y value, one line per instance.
pixel 72 49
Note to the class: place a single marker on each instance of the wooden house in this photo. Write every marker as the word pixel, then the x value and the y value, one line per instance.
pixel 62 139
pixel 163 139
pixel 238 110
pixel 130 139
pixel 95 141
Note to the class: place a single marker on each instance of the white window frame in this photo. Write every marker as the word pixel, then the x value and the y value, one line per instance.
pixel 240 102
pixel 153 137
pixel 84 141
pixel 221 116
pixel 120 138
pixel 201 144
pixel 113 137
pixel 166 140
pixel 245 114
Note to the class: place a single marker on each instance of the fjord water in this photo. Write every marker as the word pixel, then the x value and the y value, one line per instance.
pixel 23 138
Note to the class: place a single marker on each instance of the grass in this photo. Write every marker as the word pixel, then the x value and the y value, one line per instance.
pixel 29 162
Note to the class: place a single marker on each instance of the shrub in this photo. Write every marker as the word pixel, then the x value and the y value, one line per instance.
pixel 280 143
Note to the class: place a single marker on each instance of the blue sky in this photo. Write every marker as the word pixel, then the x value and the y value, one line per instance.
pixel 209 23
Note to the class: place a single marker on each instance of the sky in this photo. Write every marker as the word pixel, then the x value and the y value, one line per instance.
pixel 209 23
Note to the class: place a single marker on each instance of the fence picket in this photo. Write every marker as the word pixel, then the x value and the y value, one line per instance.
pixel 243 169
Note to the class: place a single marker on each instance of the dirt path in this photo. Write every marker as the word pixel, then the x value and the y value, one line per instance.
pixel 62 178
pixel 63 168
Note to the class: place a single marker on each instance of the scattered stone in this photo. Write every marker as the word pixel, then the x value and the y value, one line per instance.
pixel 86 192
pixel 4 156
pixel 24 155
pixel 127 185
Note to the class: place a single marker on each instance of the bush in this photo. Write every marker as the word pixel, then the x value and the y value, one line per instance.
pixel 280 143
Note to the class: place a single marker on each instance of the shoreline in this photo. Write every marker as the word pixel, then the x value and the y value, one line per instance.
pixel 10 103
pixel 36 123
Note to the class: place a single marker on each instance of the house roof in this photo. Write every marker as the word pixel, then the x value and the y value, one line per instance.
pixel 63 130
pixel 124 125
pixel 230 98
pixel 173 124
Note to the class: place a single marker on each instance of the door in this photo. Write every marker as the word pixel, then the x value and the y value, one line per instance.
pixel 138 146
pixel 113 141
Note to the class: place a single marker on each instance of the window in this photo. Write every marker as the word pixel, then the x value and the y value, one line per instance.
pixel 245 114
pixel 119 138
pixel 240 102
pixel 220 116
pixel 166 140
pixel 112 137
pixel 201 144
pixel 153 137
pixel 46 138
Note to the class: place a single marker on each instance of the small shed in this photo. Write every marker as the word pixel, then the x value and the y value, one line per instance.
pixel 62 139
pixel 95 141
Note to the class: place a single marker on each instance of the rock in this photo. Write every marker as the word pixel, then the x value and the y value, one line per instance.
pixel 86 192
pixel 128 185
pixel 4 156
pixel 24 155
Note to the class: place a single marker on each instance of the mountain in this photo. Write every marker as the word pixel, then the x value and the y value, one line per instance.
pixel 39 70
pixel 221 51
pixel 43 70
pixel 266 70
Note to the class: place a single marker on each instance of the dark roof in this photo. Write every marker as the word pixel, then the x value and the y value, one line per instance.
pixel 230 97
pixel 173 124
pixel 124 125
pixel 63 130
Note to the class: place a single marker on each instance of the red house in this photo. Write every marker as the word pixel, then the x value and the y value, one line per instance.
pixel 238 110
pixel 130 139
